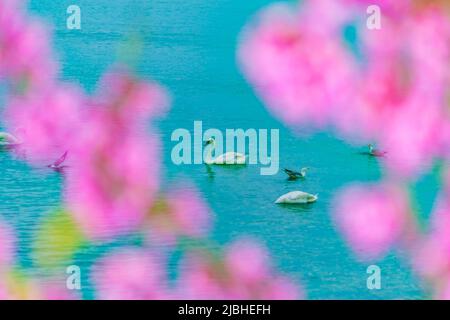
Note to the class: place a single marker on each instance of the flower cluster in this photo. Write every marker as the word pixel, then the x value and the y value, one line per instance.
pixel 320 64
pixel 114 178
pixel 243 272
pixel 16 285
pixel 112 185
pixel 387 85
pixel 41 113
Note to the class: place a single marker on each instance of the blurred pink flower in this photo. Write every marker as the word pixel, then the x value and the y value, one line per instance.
pixel 402 98
pixel 51 291
pixel 4 295
pixel 443 292
pixel 130 274
pixel 243 273
pixel 303 73
pixel 446 180
pixel 388 7
pixel 433 252
pixel 25 54
pixel 432 72
pixel 46 123
pixel 113 184
pixel 6 245
pixel 432 256
pixel 237 261
pixel 429 258
pixel 413 138
pixel 182 214
pixel 371 219
pixel 383 84
pixel 19 286
pixel 137 99
pixel 114 178
pixel 332 14
pixel 395 94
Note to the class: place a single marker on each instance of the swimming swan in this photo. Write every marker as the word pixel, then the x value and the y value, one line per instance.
pixel 294 175
pixel 228 158
pixel 297 197
pixel 7 139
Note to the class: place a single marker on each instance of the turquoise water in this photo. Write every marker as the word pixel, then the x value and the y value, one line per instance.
pixel 189 46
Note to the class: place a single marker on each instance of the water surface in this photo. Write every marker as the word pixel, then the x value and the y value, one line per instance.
pixel 189 46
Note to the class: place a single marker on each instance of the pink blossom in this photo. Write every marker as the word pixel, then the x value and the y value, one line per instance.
pixel 403 91
pixel 413 138
pixel 4 295
pixel 19 286
pixel 46 123
pixel 432 73
pixel 237 260
pixel 182 214
pixel 53 291
pixel 383 85
pixel 332 15
pixel 433 252
pixel 446 180
pixel 393 77
pixel 380 96
pixel 5 286
pixel 211 277
pixel 130 274
pixel 443 293
pixel 372 219
pixel 142 99
pixel 25 55
pixel 387 7
pixel 431 258
pixel 304 74
pixel 113 184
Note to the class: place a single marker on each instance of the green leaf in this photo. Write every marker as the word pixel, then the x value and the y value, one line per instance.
pixel 57 240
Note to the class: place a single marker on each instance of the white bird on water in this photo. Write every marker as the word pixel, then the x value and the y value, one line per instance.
pixel 7 139
pixel 297 197
pixel 228 158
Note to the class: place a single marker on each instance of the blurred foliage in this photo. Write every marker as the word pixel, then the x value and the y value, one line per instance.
pixel 57 240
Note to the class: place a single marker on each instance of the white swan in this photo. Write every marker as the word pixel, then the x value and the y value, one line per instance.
pixel 228 158
pixel 297 197
pixel 7 139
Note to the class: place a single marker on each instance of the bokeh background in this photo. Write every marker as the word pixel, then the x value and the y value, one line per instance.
pixel 190 47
